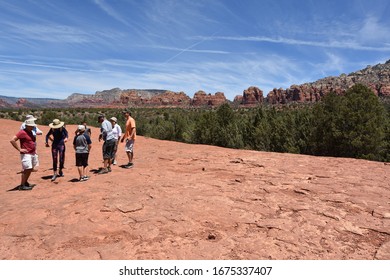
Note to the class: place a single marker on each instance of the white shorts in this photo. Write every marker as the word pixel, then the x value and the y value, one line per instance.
pixel 129 146
pixel 29 161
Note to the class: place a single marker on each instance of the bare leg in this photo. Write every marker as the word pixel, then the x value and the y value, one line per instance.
pixel 80 169
pixel 25 175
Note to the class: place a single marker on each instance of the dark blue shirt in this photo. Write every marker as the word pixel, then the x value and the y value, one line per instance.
pixel 59 135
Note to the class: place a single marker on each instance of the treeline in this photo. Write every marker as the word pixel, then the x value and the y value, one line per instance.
pixel 355 125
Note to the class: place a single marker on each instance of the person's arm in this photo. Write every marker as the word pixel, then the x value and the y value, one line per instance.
pixel 119 131
pixel 89 142
pixel 74 143
pixel 38 131
pixel 16 146
pixel 65 133
pixel 105 130
pixel 48 136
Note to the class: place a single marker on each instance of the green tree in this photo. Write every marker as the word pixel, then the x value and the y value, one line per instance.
pixel 350 126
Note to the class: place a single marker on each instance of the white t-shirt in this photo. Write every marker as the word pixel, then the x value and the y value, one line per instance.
pixel 117 131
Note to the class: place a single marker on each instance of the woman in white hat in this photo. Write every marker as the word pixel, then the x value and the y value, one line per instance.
pixel 59 136
pixel 117 131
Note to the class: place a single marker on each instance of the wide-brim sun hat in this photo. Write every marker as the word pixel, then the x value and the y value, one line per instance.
pixel 114 119
pixel 30 123
pixel 31 117
pixel 56 123
pixel 81 127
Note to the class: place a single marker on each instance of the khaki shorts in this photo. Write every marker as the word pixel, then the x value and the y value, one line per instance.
pixel 29 161
pixel 129 147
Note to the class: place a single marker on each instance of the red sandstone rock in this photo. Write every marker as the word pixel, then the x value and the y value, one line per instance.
pixel 202 99
pixel 184 201
pixel 252 96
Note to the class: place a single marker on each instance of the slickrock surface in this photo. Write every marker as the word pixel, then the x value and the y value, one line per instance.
pixel 195 202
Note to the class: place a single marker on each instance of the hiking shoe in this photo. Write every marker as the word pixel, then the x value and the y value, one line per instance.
pixel 54 177
pixel 25 188
pixel 103 171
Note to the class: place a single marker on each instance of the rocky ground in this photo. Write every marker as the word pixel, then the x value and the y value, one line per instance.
pixel 185 201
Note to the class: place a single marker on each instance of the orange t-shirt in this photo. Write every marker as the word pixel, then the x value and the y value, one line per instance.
pixel 130 125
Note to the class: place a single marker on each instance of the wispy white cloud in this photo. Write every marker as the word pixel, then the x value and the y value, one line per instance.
pixel 373 32
pixel 230 77
pixel 111 11
pixel 54 33
pixel 288 41
pixel 189 49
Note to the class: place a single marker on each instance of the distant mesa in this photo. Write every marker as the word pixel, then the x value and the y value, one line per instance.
pixel 376 77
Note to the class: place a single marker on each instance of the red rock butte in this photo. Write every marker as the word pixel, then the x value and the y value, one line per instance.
pixel 189 202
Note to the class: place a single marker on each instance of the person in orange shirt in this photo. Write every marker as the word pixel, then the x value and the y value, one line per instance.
pixel 130 136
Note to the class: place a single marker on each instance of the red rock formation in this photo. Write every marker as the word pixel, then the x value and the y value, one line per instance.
pixel 252 96
pixel 375 77
pixel 4 104
pixel 170 98
pixel 149 98
pixel 203 99
pixel 238 99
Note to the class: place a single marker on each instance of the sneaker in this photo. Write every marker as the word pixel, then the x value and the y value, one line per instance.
pixel 25 188
pixel 109 169
pixel 54 177
pixel 60 174
pixel 129 165
pixel 30 185
pixel 103 171
pixel 114 162
pixel 85 178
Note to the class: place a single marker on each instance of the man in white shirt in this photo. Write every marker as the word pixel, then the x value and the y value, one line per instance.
pixel 108 137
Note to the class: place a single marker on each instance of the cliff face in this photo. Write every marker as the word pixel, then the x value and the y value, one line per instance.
pixel 376 77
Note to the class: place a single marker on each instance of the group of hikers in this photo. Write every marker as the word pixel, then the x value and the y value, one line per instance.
pixel 110 133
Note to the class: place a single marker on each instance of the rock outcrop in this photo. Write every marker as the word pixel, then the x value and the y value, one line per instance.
pixel 252 96
pixel 376 77
pixel 155 98
pixel 202 99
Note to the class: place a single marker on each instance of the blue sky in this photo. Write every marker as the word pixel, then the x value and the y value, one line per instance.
pixel 53 48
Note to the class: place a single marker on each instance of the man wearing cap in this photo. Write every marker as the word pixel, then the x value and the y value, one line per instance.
pixel 59 135
pixel 82 144
pixel 117 130
pixel 27 151
pixel 107 136
pixel 36 130
pixel 130 136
